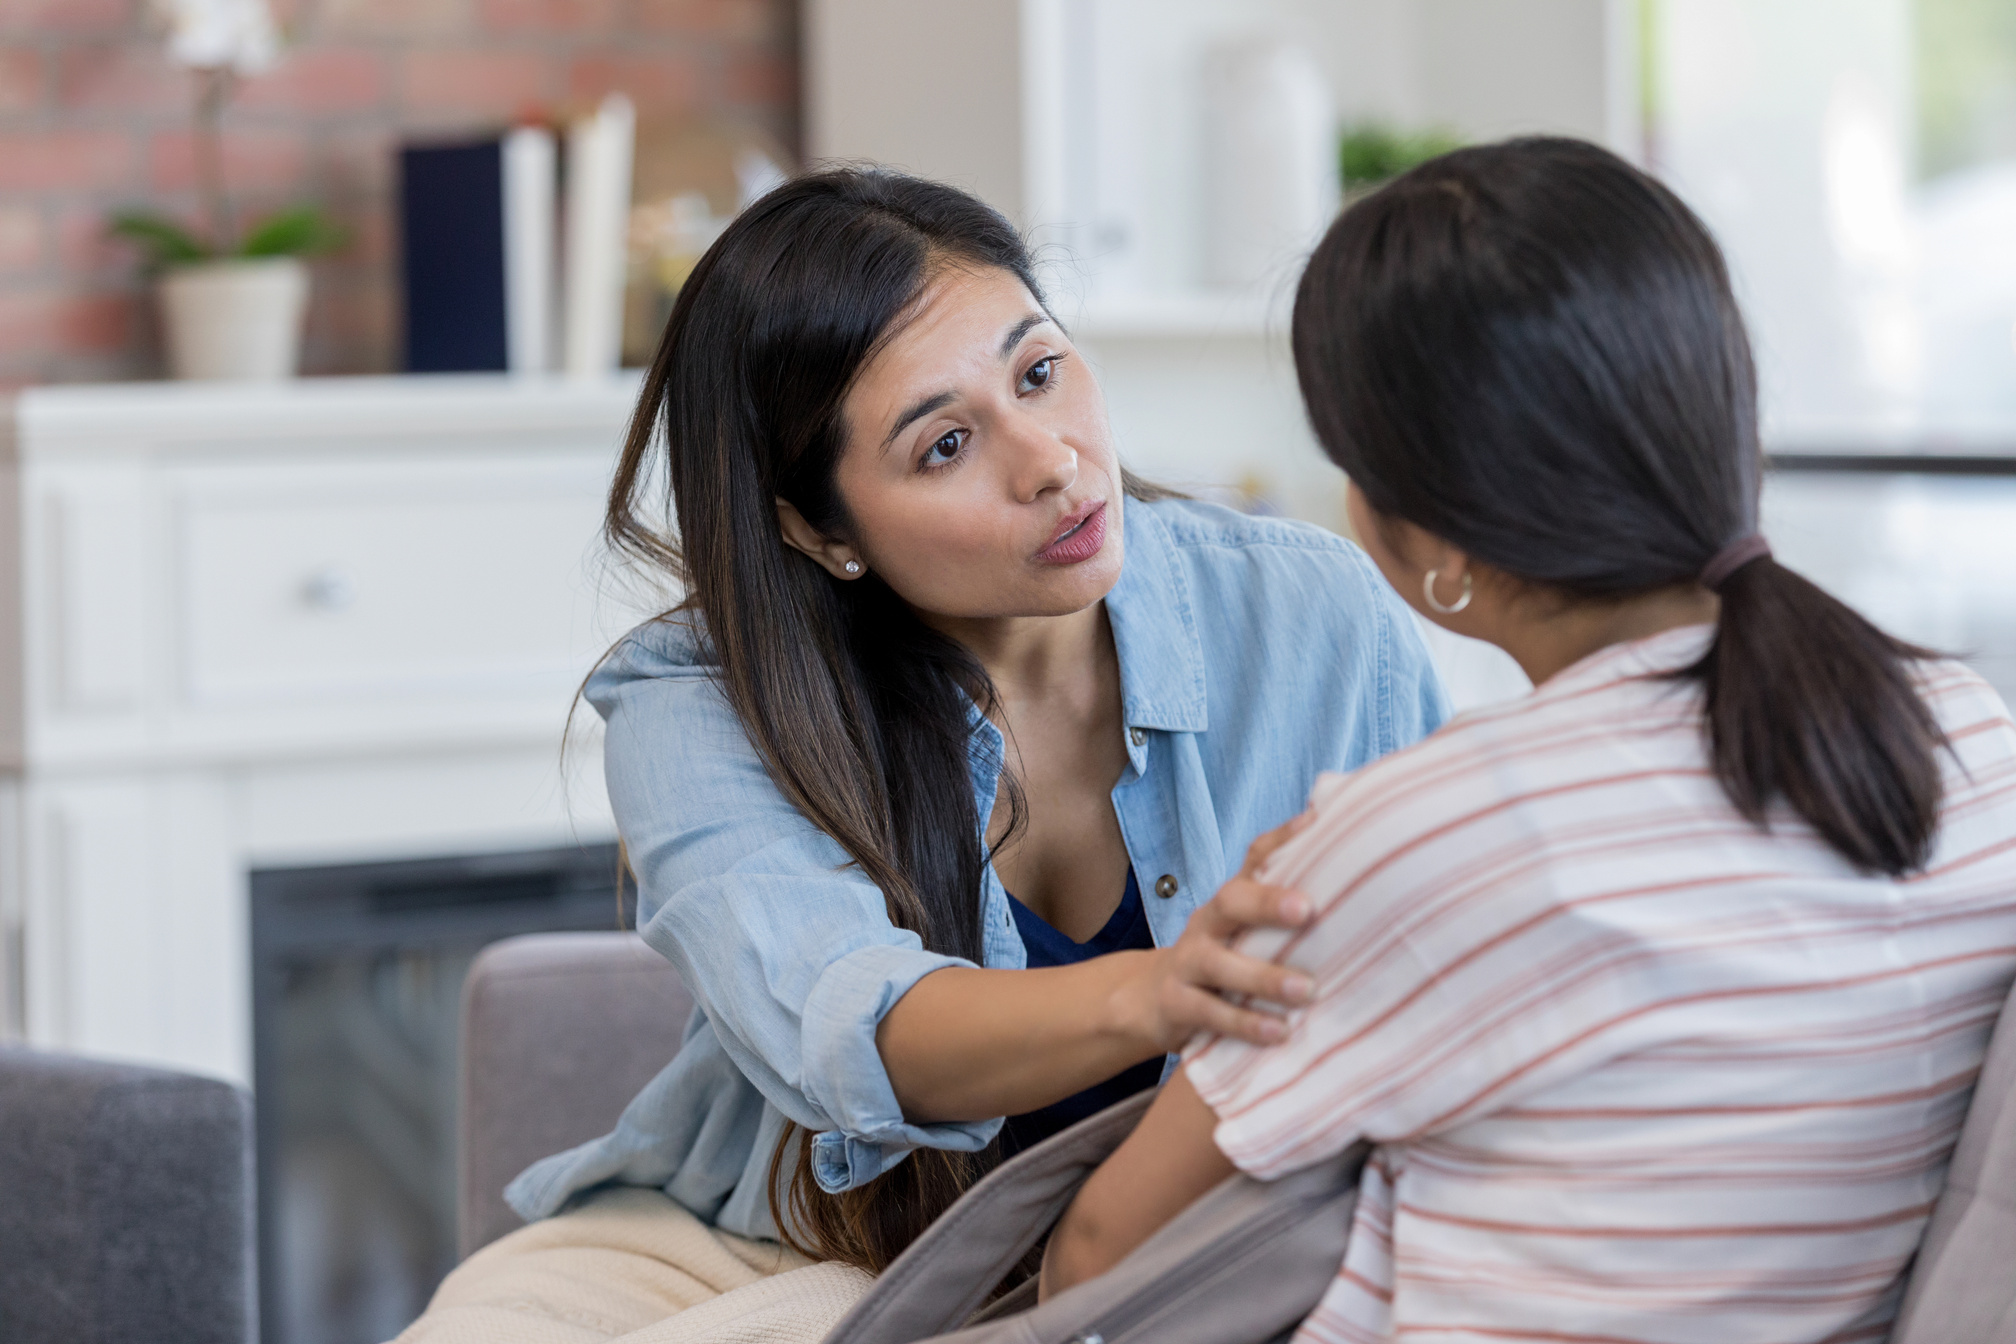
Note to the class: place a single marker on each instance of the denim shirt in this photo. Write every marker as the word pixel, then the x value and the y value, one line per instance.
pixel 1254 653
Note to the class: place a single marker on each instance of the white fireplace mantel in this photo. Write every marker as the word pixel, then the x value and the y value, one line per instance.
pixel 241 627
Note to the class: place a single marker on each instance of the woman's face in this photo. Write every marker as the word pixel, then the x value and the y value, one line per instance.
pixel 978 469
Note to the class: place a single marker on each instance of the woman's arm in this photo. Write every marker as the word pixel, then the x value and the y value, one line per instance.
pixel 969 1044
pixel 811 990
pixel 1165 1164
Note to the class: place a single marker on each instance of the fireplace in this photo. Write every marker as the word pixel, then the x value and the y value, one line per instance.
pixel 357 975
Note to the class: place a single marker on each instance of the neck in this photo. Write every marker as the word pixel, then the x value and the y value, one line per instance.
pixel 1031 657
pixel 1545 638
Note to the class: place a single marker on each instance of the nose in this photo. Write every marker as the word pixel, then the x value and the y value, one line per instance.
pixel 1043 462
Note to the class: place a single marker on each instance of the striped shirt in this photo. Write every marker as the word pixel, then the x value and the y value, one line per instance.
pixel 1634 1069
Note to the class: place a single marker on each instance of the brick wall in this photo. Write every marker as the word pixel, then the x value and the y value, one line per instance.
pixel 93 117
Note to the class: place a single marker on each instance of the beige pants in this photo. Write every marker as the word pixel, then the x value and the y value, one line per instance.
pixel 631 1265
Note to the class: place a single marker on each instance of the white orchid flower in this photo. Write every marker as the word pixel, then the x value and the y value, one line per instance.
pixel 237 35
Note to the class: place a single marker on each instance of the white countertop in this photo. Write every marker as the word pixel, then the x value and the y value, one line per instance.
pixel 308 412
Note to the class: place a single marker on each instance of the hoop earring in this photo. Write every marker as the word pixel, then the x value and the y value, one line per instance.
pixel 852 566
pixel 1428 592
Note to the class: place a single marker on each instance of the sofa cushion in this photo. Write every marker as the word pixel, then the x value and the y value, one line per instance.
pixel 559 1032
pixel 1963 1289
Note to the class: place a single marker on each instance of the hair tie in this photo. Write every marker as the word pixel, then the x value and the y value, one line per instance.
pixel 1738 553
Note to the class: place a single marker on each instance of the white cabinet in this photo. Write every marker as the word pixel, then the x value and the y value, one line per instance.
pixel 334 620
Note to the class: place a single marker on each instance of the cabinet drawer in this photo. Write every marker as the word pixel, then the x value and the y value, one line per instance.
pixel 388 579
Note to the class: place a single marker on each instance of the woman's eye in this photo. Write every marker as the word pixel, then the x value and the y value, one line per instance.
pixel 944 450
pixel 1039 373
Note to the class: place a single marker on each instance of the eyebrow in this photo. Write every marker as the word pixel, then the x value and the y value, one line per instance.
pixel 1019 330
pixel 938 401
pixel 916 413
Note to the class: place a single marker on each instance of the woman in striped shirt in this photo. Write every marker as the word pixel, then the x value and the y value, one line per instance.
pixel 1661 992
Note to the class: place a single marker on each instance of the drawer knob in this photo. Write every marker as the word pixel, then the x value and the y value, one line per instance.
pixel 328 590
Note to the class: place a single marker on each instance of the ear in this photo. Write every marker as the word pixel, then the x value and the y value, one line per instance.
pixel 1419 563
pixel 1397 542
pixel 831 556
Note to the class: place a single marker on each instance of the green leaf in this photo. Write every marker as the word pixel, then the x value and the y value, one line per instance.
pixel 1374 152
pixel 164 242
pixel 301 232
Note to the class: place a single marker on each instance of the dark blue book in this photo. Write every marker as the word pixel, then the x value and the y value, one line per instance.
pixel 476 229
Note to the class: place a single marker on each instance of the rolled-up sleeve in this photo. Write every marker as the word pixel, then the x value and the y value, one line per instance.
pixel 788 950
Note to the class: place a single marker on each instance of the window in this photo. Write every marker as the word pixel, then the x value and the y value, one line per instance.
pixel 1857 158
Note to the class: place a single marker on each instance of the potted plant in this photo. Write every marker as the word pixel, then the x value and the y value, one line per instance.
pixel 231 305
pixel 1373 153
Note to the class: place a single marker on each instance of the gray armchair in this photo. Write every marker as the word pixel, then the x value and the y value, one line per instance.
pixel 125 1204
pixel 560 1030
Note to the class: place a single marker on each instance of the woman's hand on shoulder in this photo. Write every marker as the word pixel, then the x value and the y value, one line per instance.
pixel 1046 1033
pixel 1184 989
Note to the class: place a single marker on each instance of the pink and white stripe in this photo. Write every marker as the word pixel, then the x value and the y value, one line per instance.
pixel 1638 1070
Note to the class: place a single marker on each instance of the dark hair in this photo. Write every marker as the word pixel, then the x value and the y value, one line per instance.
pixel 858 709
pixel 1531 350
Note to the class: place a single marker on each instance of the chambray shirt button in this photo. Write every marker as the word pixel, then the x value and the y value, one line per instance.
pixel 1165 886
pixel 1137 735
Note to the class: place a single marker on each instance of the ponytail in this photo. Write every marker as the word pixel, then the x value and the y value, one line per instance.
pixel 1809 702
pixel 1532 350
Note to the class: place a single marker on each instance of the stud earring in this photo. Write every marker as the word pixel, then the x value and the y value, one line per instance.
pixel 852 566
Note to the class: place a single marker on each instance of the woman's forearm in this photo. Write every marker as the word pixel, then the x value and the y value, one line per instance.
pixel 968 1044
pixel 1168 1161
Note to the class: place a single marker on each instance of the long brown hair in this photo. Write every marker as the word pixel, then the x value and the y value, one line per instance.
pixel 860 711
pixel 1532 350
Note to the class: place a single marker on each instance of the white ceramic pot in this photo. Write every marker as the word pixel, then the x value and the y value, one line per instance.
pixel 240 318
pixel 1270 160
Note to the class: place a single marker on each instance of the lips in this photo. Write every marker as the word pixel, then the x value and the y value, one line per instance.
pixel 1080 535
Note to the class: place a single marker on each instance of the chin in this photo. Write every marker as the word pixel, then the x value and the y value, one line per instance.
pixel 1075 587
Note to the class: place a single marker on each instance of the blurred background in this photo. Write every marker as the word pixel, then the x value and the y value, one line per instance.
pixel 96 117
pixel 319 322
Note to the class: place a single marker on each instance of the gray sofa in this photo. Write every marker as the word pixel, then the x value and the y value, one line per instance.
pixel 125 1205
pixel 560 1030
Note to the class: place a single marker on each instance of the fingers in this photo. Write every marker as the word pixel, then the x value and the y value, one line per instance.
pixel 1230 972
pixel 1264 846
pixel 1195 1010
pixel 1243 903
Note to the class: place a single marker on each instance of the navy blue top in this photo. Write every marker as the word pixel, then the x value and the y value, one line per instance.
pixel 1128 928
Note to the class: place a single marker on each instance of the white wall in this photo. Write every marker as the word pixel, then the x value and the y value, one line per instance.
pixel 929 86
pixel 1492 69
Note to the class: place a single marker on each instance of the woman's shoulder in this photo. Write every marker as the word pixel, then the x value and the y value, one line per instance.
pixel 1960 698
pixel 1974 718
pixel 1254 569
pixel 1296 636
pixel 671 647
pixel 1487 765
pixel 1201 528
pixel 1616 722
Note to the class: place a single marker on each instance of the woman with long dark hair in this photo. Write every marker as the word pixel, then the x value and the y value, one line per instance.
pixel 1660 992
pixel 929 782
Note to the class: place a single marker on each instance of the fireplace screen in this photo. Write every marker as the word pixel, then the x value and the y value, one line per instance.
pixel 357 974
